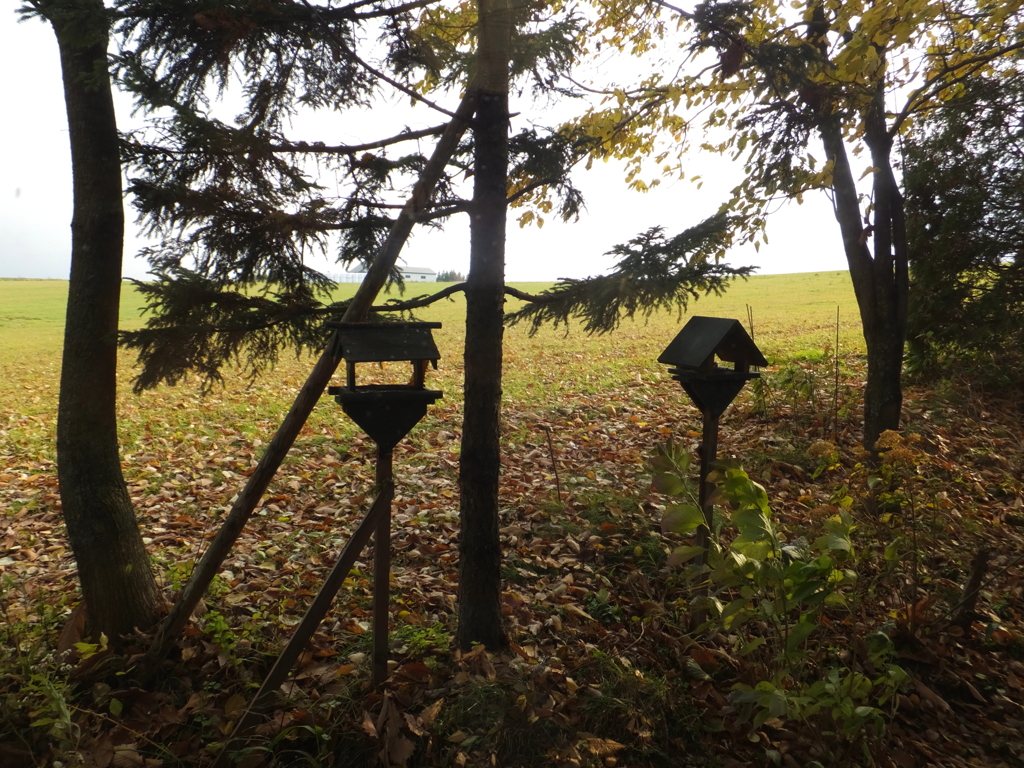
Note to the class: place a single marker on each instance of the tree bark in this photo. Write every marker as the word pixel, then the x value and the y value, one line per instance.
pixel 883 395
pixel 113 569
pixel 880 280
pixel 480 462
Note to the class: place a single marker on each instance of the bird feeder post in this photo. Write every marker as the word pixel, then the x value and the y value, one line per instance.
pixel 708 455
pixel 386 412
pixel 381 574
pixel 711 387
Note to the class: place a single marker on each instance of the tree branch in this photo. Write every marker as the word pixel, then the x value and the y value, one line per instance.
pixel 929 88
pixel 393 11
pixel 410 92
pixel 533 298
pixel 351 149
pixel 655 273
pixel 420 301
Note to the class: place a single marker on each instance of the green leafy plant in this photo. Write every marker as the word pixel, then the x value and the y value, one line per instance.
pixel 895 490
pixel 415 641
pixel 826 454
pixel 601 607
pixel 220 631
pixel 770 594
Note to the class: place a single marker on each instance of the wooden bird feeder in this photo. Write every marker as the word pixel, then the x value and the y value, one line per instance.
pixel 386 412
pixel 695 353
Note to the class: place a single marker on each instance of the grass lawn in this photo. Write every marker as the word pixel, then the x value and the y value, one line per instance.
pixel 794 316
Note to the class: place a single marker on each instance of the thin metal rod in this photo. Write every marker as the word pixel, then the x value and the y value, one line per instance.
pixel 314 616
pixel 381 575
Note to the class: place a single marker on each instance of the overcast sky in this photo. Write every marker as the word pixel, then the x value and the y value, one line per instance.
pixel 35 186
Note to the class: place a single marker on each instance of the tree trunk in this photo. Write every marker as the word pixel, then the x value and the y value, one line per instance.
pixel 880 282
pixel 480 463
pixel 883 396
pixel 117 583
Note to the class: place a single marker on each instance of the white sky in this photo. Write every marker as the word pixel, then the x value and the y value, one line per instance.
pixel 35 190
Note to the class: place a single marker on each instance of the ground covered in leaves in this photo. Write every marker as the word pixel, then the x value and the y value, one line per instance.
pixel 602 668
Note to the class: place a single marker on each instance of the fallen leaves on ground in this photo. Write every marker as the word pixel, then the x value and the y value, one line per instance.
pixel 601 669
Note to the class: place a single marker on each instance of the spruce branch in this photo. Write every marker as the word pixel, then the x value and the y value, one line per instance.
pixel 654 273
pixel 199 326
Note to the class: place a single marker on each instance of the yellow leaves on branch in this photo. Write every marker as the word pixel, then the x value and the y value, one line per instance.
pixel 602 125
pixel 902 46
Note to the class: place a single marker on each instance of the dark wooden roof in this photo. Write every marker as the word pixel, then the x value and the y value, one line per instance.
pixel 378 342
pixel 702 338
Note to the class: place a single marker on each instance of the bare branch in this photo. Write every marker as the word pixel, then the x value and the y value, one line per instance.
pixel 351 149
pixel 420 301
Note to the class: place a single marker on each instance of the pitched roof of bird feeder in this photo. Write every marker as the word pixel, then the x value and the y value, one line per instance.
pixel 702 338
pixel 379 342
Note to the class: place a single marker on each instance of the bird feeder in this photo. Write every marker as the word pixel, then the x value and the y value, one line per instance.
pixel 696 353
pixel 386 412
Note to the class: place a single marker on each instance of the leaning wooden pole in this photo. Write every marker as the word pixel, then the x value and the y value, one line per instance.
pixel 314 387
pixel 311 621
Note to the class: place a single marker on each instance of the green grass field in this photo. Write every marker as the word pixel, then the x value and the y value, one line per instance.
pixel 794 316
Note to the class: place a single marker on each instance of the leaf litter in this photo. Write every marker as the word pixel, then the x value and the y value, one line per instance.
pixel 601 668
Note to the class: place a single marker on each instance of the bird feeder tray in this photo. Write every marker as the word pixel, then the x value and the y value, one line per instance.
pixel 386 412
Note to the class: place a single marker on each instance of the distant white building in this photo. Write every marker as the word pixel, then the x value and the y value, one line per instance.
pixel 346 277
pixel 412 274
pixel 418 273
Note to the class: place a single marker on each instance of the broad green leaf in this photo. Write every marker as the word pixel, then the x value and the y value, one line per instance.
pixel 684 554
pixel 809 592
pixel 682 518
pixel 753 645
pixel 87 649
pixel 777 704
pixel 669 484
pixel 891 553
pixel 760 717
pixel 752 525
pixel 756 550
pixel 798 633
pixel 839 542
pixel 733 608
